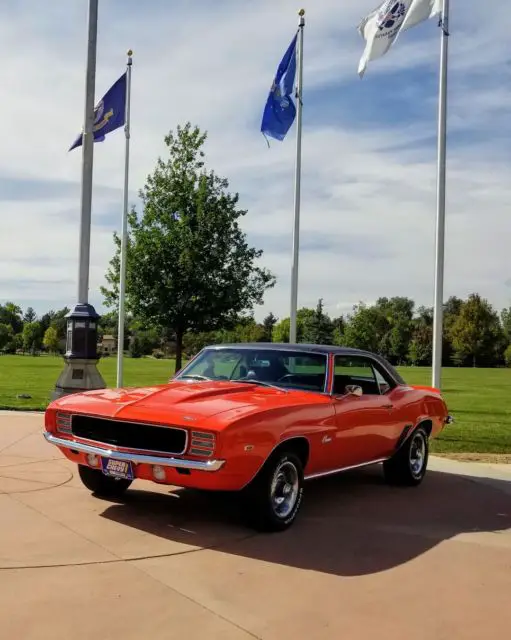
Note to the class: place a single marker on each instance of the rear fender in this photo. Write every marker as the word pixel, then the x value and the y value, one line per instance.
pixel 421 387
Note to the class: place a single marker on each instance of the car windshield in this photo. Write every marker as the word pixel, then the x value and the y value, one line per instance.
pixel 284 369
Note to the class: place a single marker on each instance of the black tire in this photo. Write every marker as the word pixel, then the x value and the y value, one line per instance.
pixel 273 499
pixel 409 465
pixel 100 484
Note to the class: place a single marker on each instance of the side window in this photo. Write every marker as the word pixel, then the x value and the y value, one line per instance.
pixel 383 384
pixel 355 371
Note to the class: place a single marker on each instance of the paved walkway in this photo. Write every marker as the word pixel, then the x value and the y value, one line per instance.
pixel 363 561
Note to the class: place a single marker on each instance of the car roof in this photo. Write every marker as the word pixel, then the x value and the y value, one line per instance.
pixel 286 346
pixel 312 348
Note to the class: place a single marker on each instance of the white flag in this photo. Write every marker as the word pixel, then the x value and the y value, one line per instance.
pixel 382 26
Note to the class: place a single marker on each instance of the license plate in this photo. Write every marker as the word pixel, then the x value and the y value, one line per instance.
pixel 117 468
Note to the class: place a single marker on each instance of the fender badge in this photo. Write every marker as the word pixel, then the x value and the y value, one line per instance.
pixel 249 447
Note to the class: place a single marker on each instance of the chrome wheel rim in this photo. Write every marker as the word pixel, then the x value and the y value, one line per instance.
pixel 284 489
pixel 417 454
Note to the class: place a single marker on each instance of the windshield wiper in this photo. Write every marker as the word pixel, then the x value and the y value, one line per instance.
pixel 195 376
pixel 262 384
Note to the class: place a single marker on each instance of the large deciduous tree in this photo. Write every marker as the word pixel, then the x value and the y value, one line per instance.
pixel 189 266
pixel 477 334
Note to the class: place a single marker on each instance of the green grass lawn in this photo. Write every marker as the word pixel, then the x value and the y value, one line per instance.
pixel 479 399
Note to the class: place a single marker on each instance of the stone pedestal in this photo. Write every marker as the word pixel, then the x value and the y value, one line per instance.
pixel 78 375
pixel 80 371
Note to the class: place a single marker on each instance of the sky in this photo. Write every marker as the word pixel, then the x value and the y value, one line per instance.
pixel 369 145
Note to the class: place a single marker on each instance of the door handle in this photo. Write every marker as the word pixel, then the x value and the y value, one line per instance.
pixel 388 406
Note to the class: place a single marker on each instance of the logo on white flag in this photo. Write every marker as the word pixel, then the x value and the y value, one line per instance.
pixel 391 15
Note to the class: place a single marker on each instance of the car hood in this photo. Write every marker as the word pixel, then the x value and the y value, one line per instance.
pixel 183 403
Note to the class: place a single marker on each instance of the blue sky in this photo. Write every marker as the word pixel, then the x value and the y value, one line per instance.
pixel 369 146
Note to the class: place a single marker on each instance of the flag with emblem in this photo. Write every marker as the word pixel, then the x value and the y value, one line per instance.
pixel 280 110
pixel 109 113
pixel 382 26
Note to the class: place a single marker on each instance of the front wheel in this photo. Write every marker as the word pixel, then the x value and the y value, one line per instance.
pixel 103 486
pixel 408 466
pixel 274 497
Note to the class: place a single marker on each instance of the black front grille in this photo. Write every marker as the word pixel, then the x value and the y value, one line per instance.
pixel 131 435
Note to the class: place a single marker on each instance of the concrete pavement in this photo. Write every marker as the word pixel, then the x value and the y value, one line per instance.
pixel 364 560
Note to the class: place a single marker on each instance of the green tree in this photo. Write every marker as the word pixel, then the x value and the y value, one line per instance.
pixel 421 345
pixel 189 266
pixel 477 335
pixel 31 336
pixel 507 356
pixel 397 324
pixel 10 314
pixel 6 335
pixel 506 323
pixel 452 309
pixel 135 348
pixel 318 328
pixel 281 329
pixel 148 339
pixel 365 328
pixel 51 340
pixel 30 315
pixel 57 320
pixel 269 323
pixel 339 325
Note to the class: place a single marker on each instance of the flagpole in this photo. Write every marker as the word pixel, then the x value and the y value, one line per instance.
pixel 124 229
pixel 298 171
pixel 441 182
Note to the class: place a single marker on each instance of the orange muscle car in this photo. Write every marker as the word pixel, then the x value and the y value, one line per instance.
pixel 258 419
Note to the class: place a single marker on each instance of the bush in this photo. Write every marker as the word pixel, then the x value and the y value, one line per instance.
pixel 507 356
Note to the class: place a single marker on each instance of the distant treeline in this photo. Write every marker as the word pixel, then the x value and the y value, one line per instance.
pixel 475 334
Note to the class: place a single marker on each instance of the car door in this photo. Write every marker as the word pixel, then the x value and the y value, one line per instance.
pixel 366 425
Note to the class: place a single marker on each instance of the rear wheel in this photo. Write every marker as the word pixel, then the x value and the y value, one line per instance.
pixel 408 466
pixel 274 497
pixel 100 484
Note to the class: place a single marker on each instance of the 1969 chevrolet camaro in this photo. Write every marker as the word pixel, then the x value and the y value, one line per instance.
pixel 259 419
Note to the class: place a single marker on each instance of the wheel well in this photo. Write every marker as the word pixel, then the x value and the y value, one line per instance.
pixel 427 425
pixel 299 445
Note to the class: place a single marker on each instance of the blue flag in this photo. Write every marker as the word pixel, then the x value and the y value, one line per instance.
pixel 109 114
pixel 280 111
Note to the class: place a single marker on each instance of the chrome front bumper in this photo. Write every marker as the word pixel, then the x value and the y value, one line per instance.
pixel 137 458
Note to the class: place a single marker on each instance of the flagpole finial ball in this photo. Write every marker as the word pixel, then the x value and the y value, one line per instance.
pixel 130 52
pixel 301 12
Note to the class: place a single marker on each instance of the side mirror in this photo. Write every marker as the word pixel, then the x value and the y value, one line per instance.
pixel 353 390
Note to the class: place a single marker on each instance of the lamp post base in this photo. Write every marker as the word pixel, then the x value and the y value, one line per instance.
pixel 80 372
pixel 78 375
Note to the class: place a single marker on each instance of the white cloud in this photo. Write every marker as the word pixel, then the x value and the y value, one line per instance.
pixel 366 185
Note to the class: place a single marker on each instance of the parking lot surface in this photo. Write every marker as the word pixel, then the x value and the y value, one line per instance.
pixel 363 560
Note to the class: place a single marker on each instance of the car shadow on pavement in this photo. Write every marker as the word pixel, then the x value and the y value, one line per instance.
pixel 351 524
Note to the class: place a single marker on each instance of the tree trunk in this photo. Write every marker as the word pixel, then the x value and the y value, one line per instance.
pixel 179 349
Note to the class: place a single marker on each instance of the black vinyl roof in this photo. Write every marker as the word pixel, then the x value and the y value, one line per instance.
pixel 312 348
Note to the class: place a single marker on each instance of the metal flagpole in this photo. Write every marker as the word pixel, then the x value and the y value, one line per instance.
pixel 298 171
pixel 87 156
pixel 124 229
pixel 440 223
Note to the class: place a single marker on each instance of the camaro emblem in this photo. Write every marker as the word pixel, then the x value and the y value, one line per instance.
pixel 189 418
